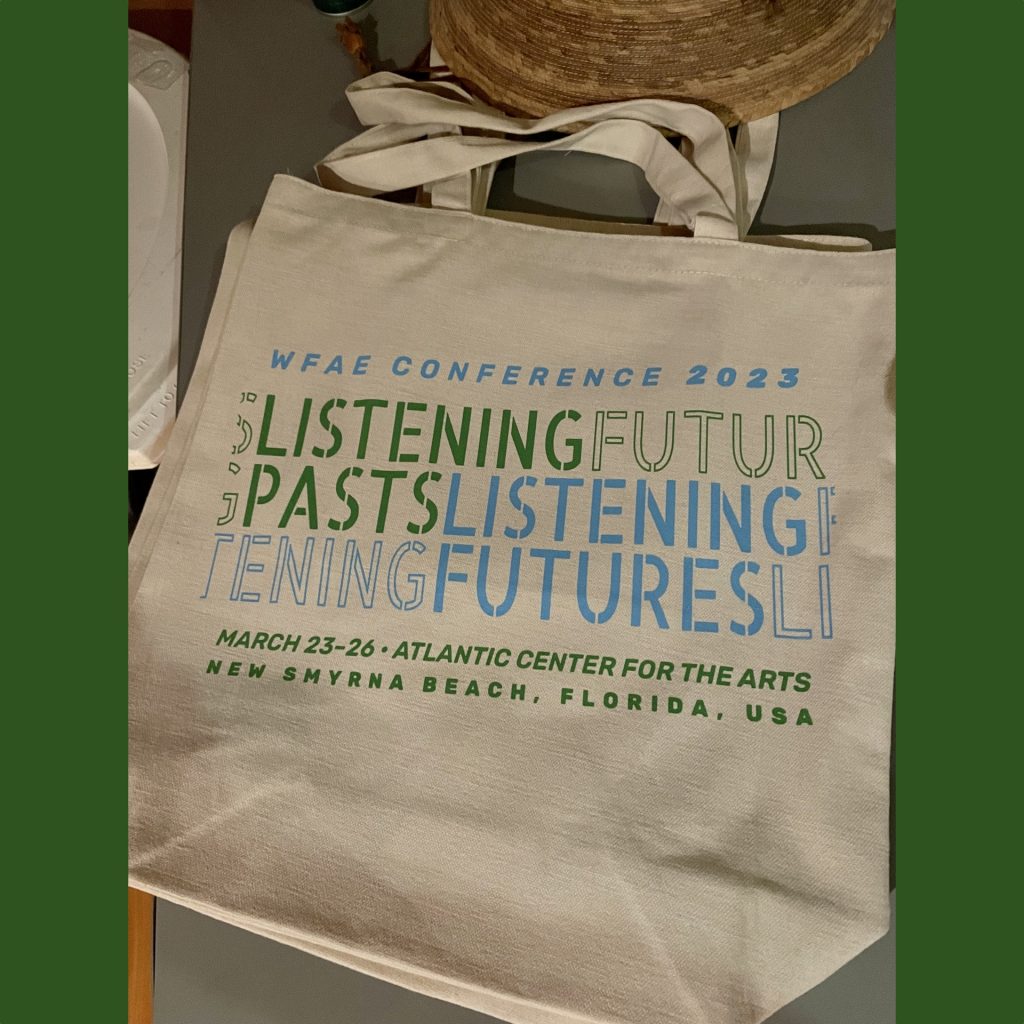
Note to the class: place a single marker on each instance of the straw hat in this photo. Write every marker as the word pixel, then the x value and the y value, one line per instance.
pixel 743 59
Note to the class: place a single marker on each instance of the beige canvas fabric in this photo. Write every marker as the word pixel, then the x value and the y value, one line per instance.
pixel 513 619
pixel 164 484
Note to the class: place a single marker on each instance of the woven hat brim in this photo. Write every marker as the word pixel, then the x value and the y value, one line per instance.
pixel 743 59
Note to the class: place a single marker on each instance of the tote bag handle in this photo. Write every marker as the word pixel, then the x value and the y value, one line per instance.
pixel 755 154
pixel 387 98
pixel 418 140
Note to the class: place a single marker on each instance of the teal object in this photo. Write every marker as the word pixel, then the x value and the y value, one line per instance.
pixel 338 7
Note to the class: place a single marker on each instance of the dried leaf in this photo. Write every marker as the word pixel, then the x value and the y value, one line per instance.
pixel 350 35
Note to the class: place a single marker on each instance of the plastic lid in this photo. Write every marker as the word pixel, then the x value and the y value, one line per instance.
pixel 339 7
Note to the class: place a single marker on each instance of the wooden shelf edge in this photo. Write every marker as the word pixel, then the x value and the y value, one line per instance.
pixel 141 910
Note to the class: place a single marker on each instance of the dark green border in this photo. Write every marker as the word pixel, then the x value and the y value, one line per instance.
pixel 63 749
pixel 63 155
pixel 959 757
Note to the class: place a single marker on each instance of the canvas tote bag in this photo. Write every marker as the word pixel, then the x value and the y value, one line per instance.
pixel 512 618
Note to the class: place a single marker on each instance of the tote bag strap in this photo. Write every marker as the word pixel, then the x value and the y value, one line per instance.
pixel 738 175
pixel 755 154
pixel 387 98
pixel 678 183
pixel 417 141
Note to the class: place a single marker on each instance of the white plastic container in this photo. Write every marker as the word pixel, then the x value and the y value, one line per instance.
pixel 157 116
